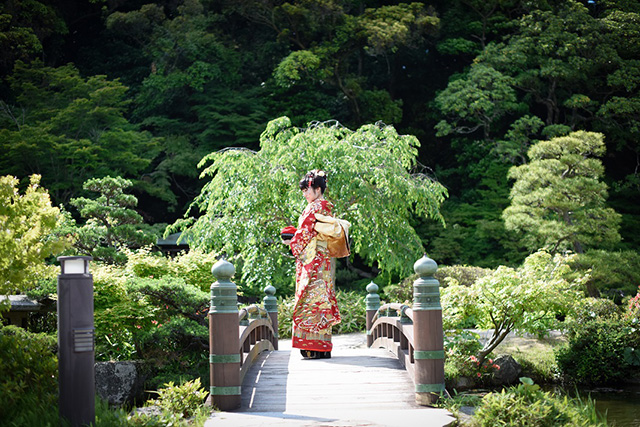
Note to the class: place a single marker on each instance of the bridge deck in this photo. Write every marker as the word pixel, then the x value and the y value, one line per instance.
pixel 356 387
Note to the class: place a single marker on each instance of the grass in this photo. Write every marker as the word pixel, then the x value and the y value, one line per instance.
pixel 535 355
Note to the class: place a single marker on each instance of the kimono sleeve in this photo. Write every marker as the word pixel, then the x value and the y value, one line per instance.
pixel 305 232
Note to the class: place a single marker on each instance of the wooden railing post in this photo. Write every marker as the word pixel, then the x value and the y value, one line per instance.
pixel 224 341
pixel 373 304
pixel 270 303
pixel 428 335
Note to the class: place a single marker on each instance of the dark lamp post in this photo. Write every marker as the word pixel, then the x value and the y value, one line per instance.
pixel 76 356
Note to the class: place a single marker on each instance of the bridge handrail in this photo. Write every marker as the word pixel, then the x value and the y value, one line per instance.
pixel 251 312
pixel 402 309
pixel 414 335
pixel 255 337
pixel 236 337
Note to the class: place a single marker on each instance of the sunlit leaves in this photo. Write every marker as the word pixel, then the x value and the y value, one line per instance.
pixel 558 199
pixel 373 181
pixel 26 222
pixel 526 299
pixel 476 102
pixel 389 27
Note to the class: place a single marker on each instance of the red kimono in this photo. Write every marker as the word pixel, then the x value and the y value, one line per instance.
pixel 316 308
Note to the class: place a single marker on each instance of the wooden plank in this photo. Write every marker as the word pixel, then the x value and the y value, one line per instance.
pixel 353 379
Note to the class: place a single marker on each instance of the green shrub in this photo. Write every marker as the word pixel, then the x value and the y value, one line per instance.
pixel 145 263
pixel 401 292
pixel 194 267
pixel 595 351
pixel 353 312
pixel 459 307
pixel 460 274
pixel 185 400
pixel 28 377
pixel 588 309
pixel 171 339
pixel 161 319
pixel 107 416
pixel 614 274
pixel 463 274
pixel 180 321
pixel 120 316
pixel 178 406
pixel 285 315
pixel 527 405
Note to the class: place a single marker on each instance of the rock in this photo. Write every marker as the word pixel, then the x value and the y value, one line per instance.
pixel 508 373
pixel 149 411
pixel 462 383
pixel 121 383
pixel 465 413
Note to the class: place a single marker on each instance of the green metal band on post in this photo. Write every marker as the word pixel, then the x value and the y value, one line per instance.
pixel 369 333
pixel 428 355
pixel 224 358
pixel 430 388
pixel 224 391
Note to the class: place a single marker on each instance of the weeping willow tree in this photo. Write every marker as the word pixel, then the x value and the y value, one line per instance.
pixel 374 182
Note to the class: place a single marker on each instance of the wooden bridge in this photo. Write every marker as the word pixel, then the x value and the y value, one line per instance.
pixel 385 377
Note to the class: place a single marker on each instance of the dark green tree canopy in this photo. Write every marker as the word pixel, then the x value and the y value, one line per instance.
pixel 145 90
pixel 69 128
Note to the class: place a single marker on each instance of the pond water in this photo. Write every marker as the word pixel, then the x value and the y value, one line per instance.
pixel 622 406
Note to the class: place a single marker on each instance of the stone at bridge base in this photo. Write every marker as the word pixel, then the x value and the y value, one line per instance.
pixel 461 383
pixel 426 399
pixel 121 383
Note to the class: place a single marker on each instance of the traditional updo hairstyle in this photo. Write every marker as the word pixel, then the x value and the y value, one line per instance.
pixel 315 179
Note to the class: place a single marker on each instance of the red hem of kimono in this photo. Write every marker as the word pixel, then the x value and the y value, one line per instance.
pixel 315 345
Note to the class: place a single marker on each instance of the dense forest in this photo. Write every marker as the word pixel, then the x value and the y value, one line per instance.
pixel 144 91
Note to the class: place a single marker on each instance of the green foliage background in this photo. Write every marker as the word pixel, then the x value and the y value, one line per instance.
pixel 146 90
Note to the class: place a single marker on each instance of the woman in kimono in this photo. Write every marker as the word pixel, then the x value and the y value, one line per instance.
pixel 316 308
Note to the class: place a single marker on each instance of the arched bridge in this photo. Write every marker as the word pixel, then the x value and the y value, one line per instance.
pixel 388 376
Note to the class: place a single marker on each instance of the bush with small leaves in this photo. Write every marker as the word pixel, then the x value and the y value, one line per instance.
pixel 595 351
pixel 285 315
pixel 28 377
pixel 462 275
pixel 184 400
pixel 588 309
pixel 528 405
pixel 614 274
pixel 353 312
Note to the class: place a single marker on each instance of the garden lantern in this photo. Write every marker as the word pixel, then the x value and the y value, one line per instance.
pixel 76 357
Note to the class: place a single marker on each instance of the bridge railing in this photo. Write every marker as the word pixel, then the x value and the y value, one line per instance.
pixel 414 334
pixel 236 337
